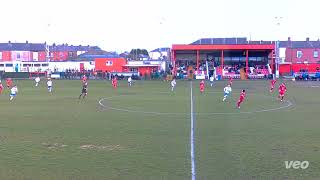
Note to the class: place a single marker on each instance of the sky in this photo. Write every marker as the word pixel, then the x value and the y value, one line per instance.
pixel 120 25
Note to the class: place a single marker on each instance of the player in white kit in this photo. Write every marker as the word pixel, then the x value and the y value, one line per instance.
pixel 13 92
pixel 37 80
pixel 173 84
pixel 211 80
pixel 129 81
pixel 227 91
pixel 49 84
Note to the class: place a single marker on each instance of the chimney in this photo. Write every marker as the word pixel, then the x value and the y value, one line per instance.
pixel 289 44
pixel 307 39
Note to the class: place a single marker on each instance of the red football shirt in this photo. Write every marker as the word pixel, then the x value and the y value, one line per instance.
pixel 282 88
pixel 242 96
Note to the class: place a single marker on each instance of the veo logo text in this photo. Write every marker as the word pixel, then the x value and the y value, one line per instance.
pixel 296 164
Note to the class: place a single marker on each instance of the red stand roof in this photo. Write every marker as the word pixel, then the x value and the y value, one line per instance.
pixel 177 47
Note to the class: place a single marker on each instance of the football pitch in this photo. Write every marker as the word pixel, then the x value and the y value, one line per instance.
pixel 144 131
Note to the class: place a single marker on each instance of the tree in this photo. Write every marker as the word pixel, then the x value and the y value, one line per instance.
pixel 134 53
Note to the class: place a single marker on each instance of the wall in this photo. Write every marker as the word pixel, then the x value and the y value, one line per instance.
pixel 110 64
pixel 307 55
pixel 6 56
pixel 282 54
pixel 42 55
pixel 63 66
pixel 21 55
pixel 146 70
pixel 59 55
pixel 286 68
pixel 310 67
pixel 35 66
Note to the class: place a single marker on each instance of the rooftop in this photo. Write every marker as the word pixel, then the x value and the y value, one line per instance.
pixel 243 40
pixel 10 46
pixel 22 46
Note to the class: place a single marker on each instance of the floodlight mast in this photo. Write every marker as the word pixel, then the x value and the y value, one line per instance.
pixel 278 20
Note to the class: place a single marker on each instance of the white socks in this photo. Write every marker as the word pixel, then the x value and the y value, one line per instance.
pixel 224 98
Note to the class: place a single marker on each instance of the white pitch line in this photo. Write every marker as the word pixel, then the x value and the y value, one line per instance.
pixel 289 104
pixel 193 164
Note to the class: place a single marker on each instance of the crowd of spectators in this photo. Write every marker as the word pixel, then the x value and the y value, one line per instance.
pixel 253 69
pixel 91 74
pixel 76 74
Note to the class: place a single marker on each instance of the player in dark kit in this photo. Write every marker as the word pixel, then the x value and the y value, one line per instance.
pixel 9 83
pixel 84 91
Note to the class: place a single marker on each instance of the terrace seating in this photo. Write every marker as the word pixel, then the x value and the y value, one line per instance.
pixel 258 76
pixel 262 71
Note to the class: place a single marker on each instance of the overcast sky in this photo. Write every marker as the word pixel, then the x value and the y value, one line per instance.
pixel 124 24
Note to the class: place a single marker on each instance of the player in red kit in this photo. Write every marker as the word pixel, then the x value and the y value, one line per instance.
pixel 202 86
pixel 230 80
pixel 282 91
pixel 115 82
pixel 1 87
pixel 273 82
pixel 9 83
pixel 241 98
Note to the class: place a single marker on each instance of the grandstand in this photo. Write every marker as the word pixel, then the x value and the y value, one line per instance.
pixel 225 57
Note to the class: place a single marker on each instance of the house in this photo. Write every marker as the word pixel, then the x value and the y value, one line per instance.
pixel 22 51
pixel 29 57
pixel 296 56
pixel 297 52
pixel 64 52
pixel 160 54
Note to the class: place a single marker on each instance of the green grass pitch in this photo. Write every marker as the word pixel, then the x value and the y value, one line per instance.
pixel 143 132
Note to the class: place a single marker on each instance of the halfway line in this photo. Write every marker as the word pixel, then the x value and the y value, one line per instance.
pixel 193 164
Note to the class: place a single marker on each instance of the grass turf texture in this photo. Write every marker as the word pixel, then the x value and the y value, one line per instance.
pixel 57 136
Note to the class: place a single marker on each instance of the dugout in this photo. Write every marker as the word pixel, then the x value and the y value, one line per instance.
pixel 226 58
